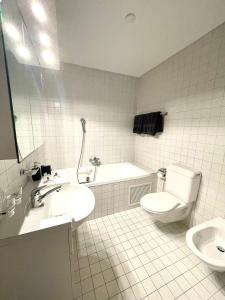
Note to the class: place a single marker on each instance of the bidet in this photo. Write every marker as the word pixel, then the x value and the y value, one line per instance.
pixel 207 241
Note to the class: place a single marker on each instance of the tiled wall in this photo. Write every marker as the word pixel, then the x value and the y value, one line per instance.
pixel 25 83
pixel 10 178
pixel 190 87
pixel 107 102
pixel 10 182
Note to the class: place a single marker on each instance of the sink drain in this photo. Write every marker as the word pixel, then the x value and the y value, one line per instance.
pixel 220 248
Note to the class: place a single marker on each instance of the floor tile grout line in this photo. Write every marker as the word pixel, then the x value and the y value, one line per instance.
pixel 178 244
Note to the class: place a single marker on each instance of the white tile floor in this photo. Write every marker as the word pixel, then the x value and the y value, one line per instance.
pixel 128 256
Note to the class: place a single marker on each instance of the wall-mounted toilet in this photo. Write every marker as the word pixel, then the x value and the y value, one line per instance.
pixel 182 185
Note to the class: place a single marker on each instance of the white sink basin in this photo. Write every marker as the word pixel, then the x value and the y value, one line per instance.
pixel 207 241
pixel 73 203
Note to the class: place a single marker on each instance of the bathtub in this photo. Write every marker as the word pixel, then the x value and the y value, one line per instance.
pixel 116 187
pixel 118 172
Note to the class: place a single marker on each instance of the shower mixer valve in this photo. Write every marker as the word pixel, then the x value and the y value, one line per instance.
pixel 95 161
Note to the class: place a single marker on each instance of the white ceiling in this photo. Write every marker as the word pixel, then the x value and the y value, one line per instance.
pixel 93 33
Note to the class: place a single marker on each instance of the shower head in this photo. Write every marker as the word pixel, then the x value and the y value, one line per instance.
pixel 83 124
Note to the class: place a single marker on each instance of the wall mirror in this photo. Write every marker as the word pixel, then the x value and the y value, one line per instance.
pixel 25 79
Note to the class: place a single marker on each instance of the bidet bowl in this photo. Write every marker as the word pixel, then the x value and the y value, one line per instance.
pixel 207 241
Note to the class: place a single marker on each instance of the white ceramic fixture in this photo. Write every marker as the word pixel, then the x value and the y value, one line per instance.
pixel 73 202
pixel 105 174
pixel 182 185
pixel 207 241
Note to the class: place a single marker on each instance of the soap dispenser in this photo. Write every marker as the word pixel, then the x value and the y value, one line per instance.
pixel 37 175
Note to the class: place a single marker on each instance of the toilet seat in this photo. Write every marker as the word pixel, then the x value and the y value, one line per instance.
pixel 160 203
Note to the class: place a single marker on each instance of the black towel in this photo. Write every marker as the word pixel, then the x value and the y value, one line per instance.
pixel 152 123
pixel 138 124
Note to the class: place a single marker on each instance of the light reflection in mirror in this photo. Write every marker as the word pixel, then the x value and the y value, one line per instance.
pixel 12 31
pixel 39 11
pixel 48 57
pixel 24 52
pixel 45 39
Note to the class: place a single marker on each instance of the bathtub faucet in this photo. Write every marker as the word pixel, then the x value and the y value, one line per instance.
pixel 95 161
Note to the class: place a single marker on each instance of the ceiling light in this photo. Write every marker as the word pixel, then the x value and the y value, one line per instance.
pixel 130 18
pixel 23 52
pixel 12 31
pixel 39 11
pixel 48 57
pixel 45 39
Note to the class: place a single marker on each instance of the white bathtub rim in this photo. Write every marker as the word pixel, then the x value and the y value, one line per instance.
pixel 93 184
pixel 111 181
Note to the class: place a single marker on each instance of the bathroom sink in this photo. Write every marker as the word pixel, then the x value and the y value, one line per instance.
pixel 207 241
pixel 74 200
pixel 73 203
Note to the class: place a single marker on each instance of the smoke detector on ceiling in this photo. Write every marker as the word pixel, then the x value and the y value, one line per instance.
pixel 130 18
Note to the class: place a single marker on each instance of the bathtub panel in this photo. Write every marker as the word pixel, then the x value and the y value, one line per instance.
pixel 114 197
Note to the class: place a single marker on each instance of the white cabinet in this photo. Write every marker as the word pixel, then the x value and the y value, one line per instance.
pixel 37 265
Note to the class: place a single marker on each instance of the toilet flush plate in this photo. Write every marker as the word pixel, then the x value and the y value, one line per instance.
pixel 207 241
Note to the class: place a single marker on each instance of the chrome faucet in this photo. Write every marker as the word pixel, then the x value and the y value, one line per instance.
pixel 95 161
pixel 36 196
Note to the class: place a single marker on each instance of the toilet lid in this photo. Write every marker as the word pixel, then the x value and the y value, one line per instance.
pixel 159 202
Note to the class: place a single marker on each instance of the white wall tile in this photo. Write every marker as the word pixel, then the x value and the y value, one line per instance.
pixel 10 179
pixel 107 102
pixel 190 86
